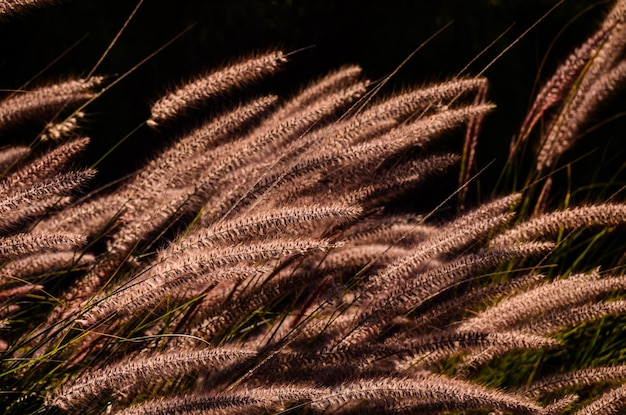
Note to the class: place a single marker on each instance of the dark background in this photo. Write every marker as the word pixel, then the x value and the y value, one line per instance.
pixel 378 35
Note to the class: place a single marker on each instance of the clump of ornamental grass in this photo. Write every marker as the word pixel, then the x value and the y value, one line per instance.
pixel 260 262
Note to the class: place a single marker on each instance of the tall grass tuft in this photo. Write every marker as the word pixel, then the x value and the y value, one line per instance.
pixel 265 261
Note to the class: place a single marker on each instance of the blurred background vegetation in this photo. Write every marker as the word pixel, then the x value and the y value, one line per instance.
pixel 69 37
